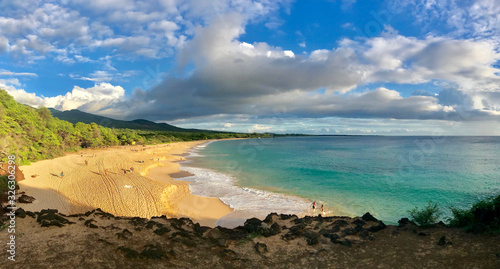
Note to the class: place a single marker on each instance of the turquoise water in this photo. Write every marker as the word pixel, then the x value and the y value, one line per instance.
pixel 349 174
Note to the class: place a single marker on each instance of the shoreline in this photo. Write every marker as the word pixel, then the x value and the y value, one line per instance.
pixel 246 202
pixel 105 182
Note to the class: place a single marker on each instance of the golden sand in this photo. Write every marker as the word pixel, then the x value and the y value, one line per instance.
pixel 107 183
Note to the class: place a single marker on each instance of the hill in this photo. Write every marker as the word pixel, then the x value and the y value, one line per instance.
pixel 74 116
pixel 35 134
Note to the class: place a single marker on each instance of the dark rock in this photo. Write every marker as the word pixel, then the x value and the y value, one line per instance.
pixel 21 213
pixel 185 234
pixel 125 234
pixel 220 235
pixel 31 214
pixel 89 224
pixel 88 213
pixel 345 242
pixel 341 222
pixel 129 253
pixel 306 220
pixel 270 217
pixel 150 224
pixel 359 223
pixel 200 230
pixel 294 232
pixel 375 228
pixel 136 221
pixel 48 211
pixel 104 214
pixel 405 221
pixel 286 216
pixel 335 228
pixel 177 223
pixel 334 238
pixel 368 217
pixel 227 254
pixel 26 199
pixel 328 234
pixel 161 231
pixel 422 234
pixel 153 252
pixel 160 217
pixel 312 238
pixel 273 230
pixel 253 225
pixel 349 231
pixel 261 248
pixel 442 241
pixel 49 217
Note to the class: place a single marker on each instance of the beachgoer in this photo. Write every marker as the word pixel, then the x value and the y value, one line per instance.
pixel 86 163
pixel 322 209
pixel 314 205
pixel 62 174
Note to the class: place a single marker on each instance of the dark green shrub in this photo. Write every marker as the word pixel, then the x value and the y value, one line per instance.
pixel 427 216
pixel 484 216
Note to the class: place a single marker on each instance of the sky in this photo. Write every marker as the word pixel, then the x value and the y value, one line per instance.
pixel 394 67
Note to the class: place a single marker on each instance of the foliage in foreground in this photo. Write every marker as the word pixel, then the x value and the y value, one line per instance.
pixel 484 216
pixel 426 216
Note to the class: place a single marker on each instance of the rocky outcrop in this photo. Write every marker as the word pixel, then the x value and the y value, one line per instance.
pixel 278 241
pixel 26 199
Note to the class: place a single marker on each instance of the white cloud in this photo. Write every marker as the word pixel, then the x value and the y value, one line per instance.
pixel 4 72
pixel 95 99
pixel 259 128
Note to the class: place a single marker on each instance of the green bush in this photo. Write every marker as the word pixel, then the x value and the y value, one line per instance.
pixel 4 187
pixel 427 216
pixel 484 216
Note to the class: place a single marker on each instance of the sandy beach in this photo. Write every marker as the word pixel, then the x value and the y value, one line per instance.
pixel 105 182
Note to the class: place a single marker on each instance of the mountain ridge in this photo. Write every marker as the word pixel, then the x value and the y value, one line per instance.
pixel 74 116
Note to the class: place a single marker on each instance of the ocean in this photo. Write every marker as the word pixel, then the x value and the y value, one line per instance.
pixel 350 175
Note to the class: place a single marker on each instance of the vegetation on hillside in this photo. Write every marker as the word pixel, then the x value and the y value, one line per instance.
pixel 482 217
pixel 427 216
pixel 34 134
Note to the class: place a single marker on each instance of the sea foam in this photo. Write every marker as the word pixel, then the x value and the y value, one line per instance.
pixel 246 202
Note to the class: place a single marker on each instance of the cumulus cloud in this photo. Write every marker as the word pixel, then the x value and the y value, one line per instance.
pixel 234 77
pixel 96 99
pixel 128 28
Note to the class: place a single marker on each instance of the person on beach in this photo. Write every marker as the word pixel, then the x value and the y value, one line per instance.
pixel 86 163
pixel 314 206
pixel 322 209
pixel 62 174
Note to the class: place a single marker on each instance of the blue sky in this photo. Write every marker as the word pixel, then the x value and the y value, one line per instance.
pixel 397 67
